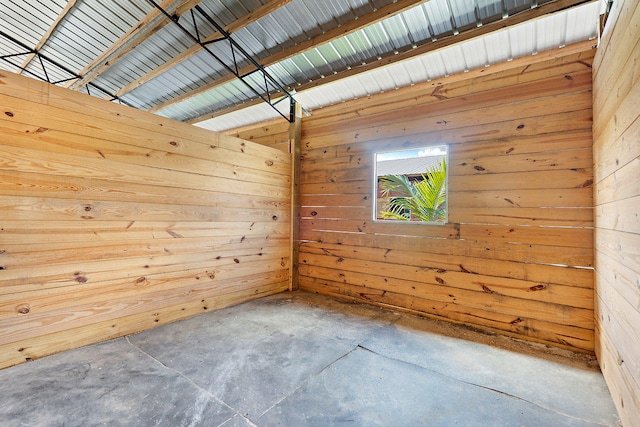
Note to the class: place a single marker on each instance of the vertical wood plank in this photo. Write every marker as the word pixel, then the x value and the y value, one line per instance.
pixel 295 138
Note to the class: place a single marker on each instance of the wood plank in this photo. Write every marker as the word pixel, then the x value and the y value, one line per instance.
pixel 516 307
pixel 616 151
pixel 616 47
pixel 156 159
pixel 352 187
pixel 611 151
pixel 339 212
pixel 295 136
pixel 36 232
pixel 494 249
pixel 41 209
pixel 134 126
pixel 565 336
pixel 529 180
pixel 273 130
pixel 570 159
pixel 552 236
pixel 558 95
pixel 81 188
pixel 574 197
pixel 624 116
pixel 192 277
pixel 21 256
pixel 614 319
pixel 376 274
pixel 514 216
pixel 133 151
pixel 76 316
pixel 76 272
pixel 32 161
pixel 619 263
pixel 623 184
pixel 577 277
pixel 617 22
pixel 480 93
pixel 509 127
pixel 30 349
pixel 559 140
pixel 620 215
pixel 624 392
pixel 413 229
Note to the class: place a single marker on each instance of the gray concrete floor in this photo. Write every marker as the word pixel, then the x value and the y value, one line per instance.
pixel 298 359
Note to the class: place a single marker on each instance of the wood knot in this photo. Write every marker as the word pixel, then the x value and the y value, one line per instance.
pixel 520 127
pixel 140 280
pixel 275 217
pixel 269 162
pixel 479 168
pixel 486 289
pixel 537 287
pixel 236 260
pixel 175 144
pixel 8 113
pixel 440 280
pixel 314 213
pixel 24 309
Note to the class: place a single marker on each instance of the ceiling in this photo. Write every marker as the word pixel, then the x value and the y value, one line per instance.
pixel 182 58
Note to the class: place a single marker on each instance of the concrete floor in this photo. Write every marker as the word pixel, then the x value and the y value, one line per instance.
pixel 305 360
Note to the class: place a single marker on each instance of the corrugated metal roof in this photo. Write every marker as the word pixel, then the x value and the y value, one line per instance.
pixel 84 43
pixel 514 42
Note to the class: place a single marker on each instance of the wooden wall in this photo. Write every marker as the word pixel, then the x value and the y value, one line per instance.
pixel 115 220
pixel 517 255
pixel 616 150
pixel 272 134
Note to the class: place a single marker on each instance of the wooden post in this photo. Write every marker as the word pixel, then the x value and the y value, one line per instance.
pixel 295 135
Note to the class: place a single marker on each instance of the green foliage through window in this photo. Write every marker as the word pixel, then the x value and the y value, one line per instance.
pixel 416 197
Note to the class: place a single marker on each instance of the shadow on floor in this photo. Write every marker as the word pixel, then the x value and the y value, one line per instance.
pixel 299 359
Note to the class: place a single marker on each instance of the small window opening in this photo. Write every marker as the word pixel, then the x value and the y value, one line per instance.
pixel 411 185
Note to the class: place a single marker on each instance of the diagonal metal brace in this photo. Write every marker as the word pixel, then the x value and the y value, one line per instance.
pixel 42 58
pixel 233 69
